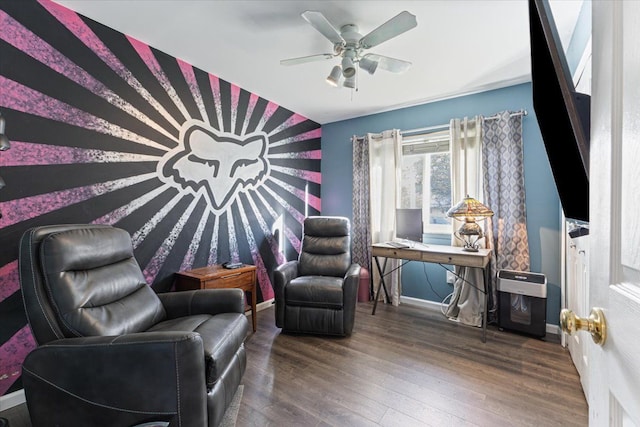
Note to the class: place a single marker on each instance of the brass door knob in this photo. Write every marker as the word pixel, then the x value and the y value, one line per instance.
pixel 594 324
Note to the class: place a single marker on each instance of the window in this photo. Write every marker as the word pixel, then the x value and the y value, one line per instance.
pixel 426 179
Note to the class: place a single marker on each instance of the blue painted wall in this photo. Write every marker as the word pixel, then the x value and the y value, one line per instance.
pixel 543 205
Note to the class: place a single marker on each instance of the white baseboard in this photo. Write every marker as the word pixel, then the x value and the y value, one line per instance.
pixel 12 399
pixel 432 305
pixel 553 329
pixel 264 304
pixel 418 302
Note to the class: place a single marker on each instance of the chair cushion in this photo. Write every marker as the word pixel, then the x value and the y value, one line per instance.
pixel 315 291
pixel 327 226
pixel 326 247
pixel 222 335
pixel 95 283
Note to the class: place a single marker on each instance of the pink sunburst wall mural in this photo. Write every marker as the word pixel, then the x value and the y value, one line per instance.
pixel 106 129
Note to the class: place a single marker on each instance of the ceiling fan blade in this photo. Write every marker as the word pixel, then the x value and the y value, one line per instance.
pixel 390 64
pixel 320 23
pixel 305 59
pixel 402 22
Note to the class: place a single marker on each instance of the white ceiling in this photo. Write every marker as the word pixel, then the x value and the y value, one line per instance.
pixel 458 47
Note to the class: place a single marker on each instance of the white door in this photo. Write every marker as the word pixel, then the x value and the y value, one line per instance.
pixel 577 300
pixel 614 263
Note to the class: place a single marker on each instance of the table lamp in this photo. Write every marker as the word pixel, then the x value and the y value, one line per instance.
pixel 469 210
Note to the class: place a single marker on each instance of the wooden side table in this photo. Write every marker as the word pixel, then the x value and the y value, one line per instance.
pixel 216 276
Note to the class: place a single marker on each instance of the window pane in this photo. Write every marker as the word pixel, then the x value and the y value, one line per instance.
pixel 426 184
pixel 440 188
pixel 412 181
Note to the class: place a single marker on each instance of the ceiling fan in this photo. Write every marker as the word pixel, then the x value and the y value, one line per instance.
pixel 350 45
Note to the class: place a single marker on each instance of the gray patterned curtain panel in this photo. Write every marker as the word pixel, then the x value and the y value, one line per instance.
pixel 503 167
pixel 360 227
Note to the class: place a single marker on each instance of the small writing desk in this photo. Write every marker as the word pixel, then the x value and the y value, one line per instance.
pixel 439 254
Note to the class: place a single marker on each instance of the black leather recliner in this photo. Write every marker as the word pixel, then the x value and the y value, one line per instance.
pixel 317 293
pixel 112 352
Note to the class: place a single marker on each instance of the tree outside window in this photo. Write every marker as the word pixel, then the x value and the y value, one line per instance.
pixel 426 184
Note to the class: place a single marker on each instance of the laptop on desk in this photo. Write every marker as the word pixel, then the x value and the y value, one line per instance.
pixel 402 244
pixel 398 245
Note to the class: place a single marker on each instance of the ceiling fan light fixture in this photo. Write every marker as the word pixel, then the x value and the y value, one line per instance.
pixel 334 78
pixel 348 68
pixel 349 45
pixel 368 65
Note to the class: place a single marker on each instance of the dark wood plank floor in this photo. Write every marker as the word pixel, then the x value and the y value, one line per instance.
pixel 408 366
pixel 405 366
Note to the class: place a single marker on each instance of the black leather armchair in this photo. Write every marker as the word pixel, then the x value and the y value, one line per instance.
pixel 317 293
pixel 112 352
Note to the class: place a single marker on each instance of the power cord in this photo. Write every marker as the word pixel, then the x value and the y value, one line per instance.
pixel 424 269
pixel 463 279
pixel 445 304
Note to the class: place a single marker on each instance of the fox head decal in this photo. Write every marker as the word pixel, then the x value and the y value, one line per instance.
pixel 216 164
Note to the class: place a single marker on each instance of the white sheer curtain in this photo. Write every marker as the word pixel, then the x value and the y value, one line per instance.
pixel 384 172
pixel 467 301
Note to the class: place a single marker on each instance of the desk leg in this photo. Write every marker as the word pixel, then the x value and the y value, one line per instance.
pixel 384 285
pixel 381 285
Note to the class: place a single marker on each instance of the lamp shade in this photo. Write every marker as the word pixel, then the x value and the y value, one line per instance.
pixel 368 65
pixel 350 82
pixel 334 77
pixel 4 140
pixel 469 208
pixel 348 69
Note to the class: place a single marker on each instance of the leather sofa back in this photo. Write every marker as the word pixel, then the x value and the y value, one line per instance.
pixel 326 247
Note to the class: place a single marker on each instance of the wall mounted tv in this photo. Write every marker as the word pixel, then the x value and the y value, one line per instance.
pixel 563 114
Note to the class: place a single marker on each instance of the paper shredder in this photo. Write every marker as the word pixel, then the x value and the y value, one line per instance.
pixel 522 302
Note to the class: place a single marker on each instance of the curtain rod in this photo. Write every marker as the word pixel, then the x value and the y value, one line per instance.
pixel 373 135
pixel 444 126
pixel 522 112
pixel 428 128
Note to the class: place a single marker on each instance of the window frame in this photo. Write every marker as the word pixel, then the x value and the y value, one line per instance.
pixel 435 142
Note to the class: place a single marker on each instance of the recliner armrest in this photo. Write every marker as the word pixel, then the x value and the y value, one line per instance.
pixel 286 272
pixel 282 275
pixel 350 295
pixel 353 273
pixel 203 301
pixel 351 284
pixel 119 372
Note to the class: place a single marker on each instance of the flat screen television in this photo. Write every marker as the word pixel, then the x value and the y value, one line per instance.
pixel 563 114
pixel 409 224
